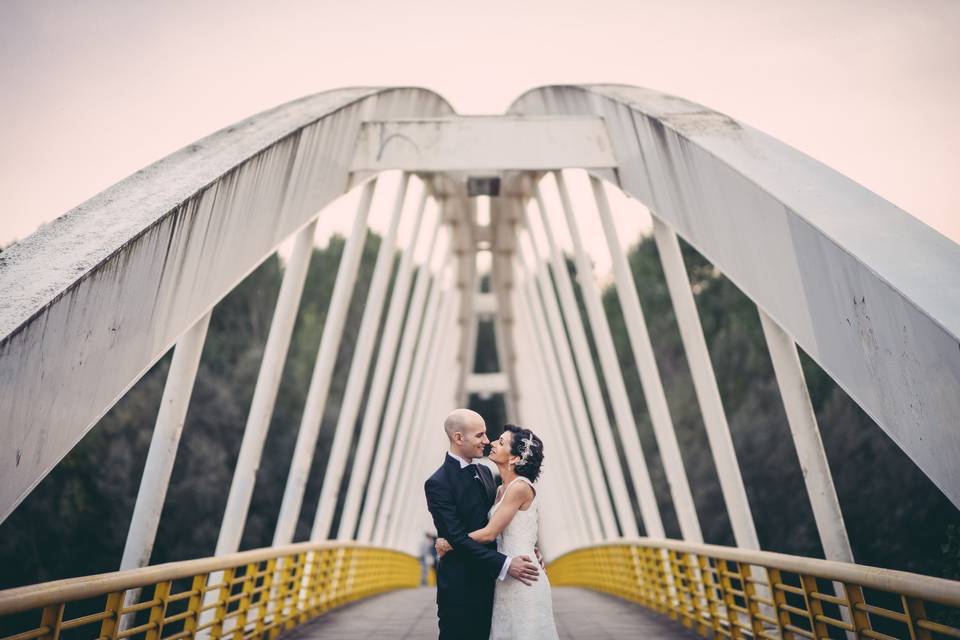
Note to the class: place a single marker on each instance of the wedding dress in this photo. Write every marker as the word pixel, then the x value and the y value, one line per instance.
pixel 521 611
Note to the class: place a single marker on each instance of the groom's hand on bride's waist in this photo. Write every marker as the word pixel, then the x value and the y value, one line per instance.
pixel 523 569
pixel 536 550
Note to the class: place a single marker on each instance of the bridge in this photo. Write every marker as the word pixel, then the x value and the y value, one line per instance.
pixel 94 299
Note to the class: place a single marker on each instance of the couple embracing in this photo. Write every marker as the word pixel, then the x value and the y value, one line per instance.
pixel 489 583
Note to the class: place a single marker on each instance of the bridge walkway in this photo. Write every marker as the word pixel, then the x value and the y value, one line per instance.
pixel 411 614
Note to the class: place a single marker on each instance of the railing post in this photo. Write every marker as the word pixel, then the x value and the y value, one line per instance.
pixel 915 612
pixel 161 592
pixel 221 599
pixel 197 586
pixel 712 596
pixel 813 606
pixel 266 596
pixel 730 597
pixel 639 336
pixel 752 598
pixel 779 602
pixel 243 605
pixel 357 378
pixel 51 619
pixel 110 626
pixel 855 601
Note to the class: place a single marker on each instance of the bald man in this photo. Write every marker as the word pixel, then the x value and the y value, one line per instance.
pixel 459 495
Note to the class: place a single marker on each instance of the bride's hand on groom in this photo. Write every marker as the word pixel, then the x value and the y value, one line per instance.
pixel 523 569
pixel 442 546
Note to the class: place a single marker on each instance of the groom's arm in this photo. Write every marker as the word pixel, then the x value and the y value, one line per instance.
pixel 445 518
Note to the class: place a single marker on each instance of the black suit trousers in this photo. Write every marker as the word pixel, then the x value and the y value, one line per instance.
pixel 465 622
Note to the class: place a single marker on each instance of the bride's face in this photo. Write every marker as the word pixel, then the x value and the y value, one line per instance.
pixel 500 448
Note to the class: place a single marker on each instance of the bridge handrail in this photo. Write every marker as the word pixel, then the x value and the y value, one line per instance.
pixel 736 592
pixel 296 582
pixel 910 584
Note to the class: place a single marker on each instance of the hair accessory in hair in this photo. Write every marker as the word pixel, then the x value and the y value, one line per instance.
pixel 527 450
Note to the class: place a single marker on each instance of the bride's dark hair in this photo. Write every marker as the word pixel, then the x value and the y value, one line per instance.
pixel 520 439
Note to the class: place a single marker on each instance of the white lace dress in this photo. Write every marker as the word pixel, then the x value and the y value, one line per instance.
pixel 521 611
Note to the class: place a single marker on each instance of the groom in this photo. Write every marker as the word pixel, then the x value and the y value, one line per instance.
pixel 459 495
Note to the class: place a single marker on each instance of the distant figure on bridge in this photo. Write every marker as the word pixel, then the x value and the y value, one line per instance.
pixel 428 556
pixel 461 497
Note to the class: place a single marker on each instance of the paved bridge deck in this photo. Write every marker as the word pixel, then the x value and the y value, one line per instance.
pixel 411 614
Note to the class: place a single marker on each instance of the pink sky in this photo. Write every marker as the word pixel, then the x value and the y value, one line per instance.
pixel 94 90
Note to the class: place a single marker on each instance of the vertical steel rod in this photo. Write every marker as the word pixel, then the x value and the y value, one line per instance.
pixel 323 372
pixel 422 457
pixel 381 378
pixel 163 452
pixel 705 386
pixel 598 412
pixel 650 381
pixel 550 399
pixel 419 306
pixel 401 470
pixel 806 439
pixel 399 452
pixel 359 368
pixel 580 422
pixel 265 392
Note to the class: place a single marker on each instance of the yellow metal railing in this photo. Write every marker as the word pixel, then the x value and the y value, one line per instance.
pixel 735 593
pixel 254 594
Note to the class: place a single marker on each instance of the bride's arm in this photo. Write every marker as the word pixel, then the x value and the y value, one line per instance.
pixel 516 495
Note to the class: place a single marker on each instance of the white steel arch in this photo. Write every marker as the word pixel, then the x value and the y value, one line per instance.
pixel 91 301
pixel 125 274
pixel 811 247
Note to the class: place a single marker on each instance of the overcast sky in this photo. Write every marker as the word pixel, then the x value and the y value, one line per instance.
pixel 92 91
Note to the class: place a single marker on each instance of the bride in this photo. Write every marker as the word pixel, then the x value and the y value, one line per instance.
pixel 519 610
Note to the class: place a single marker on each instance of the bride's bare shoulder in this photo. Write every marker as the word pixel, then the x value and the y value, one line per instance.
pixel 521 492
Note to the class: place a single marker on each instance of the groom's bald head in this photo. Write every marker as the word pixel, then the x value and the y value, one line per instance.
pixel 459 420
pixel 467 433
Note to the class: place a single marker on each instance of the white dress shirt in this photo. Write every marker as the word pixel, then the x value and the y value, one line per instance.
pixel 506 563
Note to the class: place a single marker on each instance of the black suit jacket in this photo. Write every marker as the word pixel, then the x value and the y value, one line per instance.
pixel 459 500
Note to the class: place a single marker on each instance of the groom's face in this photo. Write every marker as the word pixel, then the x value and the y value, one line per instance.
pixel 475 439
